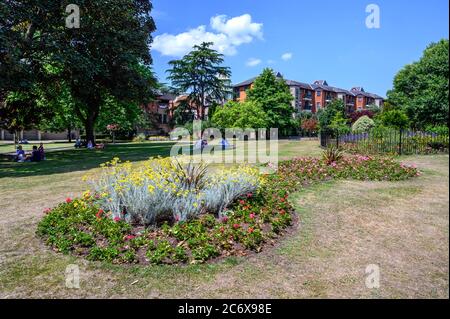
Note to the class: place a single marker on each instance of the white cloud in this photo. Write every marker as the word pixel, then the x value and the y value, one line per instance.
pixel 227 35
pixel 253 62
pixel 287 56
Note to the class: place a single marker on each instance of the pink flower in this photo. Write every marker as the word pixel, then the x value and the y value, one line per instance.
pixel 117 219
pixel 242 202
pixel 47 211
pixel 224 219
pixel 249 195
pixel 68 200
pixel 129 237
pixel 252 216
pixel 236 226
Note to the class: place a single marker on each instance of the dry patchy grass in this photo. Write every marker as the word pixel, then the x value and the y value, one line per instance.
pixel 402 227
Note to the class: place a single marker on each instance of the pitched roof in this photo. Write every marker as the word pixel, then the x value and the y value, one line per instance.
pixel 245 83
pixel 288 82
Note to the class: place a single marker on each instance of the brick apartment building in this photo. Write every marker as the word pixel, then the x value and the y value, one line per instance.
pixel 313 97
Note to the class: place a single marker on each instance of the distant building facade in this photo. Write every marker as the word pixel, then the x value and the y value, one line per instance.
pixel 315 96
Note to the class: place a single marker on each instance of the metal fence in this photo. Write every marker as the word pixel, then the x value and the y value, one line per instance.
pixel 388 141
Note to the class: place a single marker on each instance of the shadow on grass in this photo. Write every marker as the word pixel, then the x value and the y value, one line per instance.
pixel 82 159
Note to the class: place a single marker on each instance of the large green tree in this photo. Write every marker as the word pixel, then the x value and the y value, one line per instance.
pixel 422 88
pixel 201 74
pixel 331 116
pixel 23 43
pixel 108 56
pixel 273 95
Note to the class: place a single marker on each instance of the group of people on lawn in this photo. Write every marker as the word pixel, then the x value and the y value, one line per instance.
pixel 36 155
pixel 89 145
pixel 201 144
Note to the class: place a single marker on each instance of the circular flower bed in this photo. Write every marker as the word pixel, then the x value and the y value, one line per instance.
pixel 166 213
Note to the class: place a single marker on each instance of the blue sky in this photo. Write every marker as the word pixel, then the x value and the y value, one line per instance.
pixel 304 40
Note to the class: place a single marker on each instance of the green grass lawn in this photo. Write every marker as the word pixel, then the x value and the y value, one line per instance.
pixel 344 226
pixel 9 147
pixel 83 159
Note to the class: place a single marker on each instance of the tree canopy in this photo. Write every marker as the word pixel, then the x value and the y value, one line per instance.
pixel 335 111
pixel 108 56
pixel 273 95
pixel 201 74
pixel 422 88
pixel 395 118
pixel 240 115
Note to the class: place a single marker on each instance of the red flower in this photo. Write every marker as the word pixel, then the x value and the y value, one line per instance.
pixel 282 212
pixel 249 195
pixel 117 219
pixel 242 202
pixel 129 237
pixel 250 230
pixel 99 213
pixel 224 219
pixel 236 226
pixel 222 229
pixel 68 200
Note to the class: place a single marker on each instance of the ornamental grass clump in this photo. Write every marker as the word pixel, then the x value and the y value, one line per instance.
pixel 162 189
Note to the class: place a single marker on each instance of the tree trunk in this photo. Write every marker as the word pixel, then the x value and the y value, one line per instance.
pixel 89 128
pixel 69 132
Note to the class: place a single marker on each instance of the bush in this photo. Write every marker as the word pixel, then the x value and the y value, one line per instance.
pixel 354 116
pixel 439 130
pixel 310 126
pixel 363 125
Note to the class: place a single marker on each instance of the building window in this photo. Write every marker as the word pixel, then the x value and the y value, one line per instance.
pixel 163 118
pixel 297 94
pixel 360 99
pixel 307 106
pixel 318 105
pixel 319 93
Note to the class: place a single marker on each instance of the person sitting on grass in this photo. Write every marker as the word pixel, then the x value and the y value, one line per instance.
pixel 100 146
pixel 20 154
pixel 90 145
pixel 35 155
pixel 42 151
pixel 78 143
